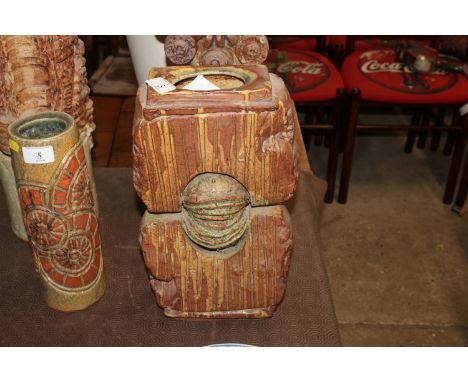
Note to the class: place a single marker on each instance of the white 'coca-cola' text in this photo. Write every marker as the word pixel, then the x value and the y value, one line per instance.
pixel 374 66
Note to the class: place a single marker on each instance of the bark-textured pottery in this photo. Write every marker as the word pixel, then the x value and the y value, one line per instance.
pixel 213 168
pixel 58 208
pixel 216 50
pixel 40 73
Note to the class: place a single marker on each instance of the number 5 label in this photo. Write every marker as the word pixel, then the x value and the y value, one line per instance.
pixel 38 155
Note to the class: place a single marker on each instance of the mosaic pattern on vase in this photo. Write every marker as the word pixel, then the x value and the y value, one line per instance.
pixel 62 225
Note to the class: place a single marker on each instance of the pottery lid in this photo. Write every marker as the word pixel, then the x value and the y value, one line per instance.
pixel 240 87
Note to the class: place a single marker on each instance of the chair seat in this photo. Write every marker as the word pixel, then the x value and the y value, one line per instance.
pixel 380 78
pixel 293 43
pixel 309 76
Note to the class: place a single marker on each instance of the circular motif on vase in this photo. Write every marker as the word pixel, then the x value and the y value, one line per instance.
pixel 46 229
pixel 80 190
pixel 75 256
pixel 252 49
pixel 180 49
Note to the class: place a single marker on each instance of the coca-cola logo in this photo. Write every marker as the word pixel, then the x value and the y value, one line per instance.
pixel 299 71
pixel 380 67
pixel 374 66
pixel 300 67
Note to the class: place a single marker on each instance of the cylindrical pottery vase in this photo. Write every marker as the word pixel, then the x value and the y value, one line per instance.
pixel 7 180
pixel 58 207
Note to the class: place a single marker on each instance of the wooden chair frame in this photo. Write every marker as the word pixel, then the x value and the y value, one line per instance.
pixel 334 130
pixel 353 126
pixel 460 199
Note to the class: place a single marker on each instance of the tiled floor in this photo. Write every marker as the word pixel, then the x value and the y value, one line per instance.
pixel 396 256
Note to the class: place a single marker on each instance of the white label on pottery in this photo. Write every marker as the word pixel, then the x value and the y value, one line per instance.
pixel 161 85
pixel 464 109
pixel 201 83
pixel 38 155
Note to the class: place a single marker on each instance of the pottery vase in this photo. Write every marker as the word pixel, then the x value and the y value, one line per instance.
pixel 58 207
pixel 213 168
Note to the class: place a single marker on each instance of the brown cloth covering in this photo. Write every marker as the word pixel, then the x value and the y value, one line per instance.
pixel 127 315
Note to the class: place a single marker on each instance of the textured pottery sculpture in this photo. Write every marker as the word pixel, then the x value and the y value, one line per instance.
pixel 213 168
pixel 39 73
pixel 58 208
pixel 216 50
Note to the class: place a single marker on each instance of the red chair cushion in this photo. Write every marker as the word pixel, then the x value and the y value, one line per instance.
pixel 379 77
pixel 309 76
pixel 292 43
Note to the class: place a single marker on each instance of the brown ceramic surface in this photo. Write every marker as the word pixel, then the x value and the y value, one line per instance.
pixel 216 50
pixel 181 134
pixel 249 280
pixel 204 164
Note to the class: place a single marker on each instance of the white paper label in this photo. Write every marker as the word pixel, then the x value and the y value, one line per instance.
pixel 464 109
pixel 161 85
pixel 38 155
pixel 201 83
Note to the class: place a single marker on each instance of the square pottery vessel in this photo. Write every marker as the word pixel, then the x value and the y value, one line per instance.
pixel 212 167
pixel 246 132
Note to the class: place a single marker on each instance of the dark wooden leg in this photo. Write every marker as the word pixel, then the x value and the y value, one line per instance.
pixel 423 134
pixel 318 138
pixel 436 135
pixel 435 140
pixel 309 118
pixel 411 137
pixel 462 192
pixel 455 164
pixel 449 143
pixel 452 135
pixel 334 146
pixel 306 135
pixel 349 146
